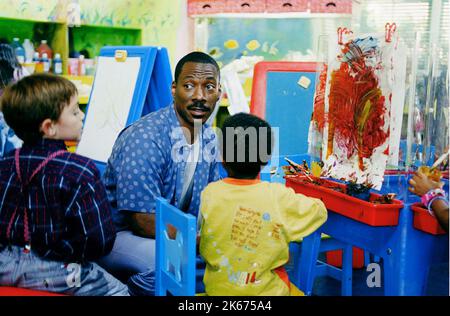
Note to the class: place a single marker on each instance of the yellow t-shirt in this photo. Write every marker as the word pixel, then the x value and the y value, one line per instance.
pixel 246 229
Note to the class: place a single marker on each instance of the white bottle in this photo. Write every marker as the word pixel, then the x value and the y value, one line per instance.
pixel 57 64
pixel 29 50
pixel 46 62
pixel 81 66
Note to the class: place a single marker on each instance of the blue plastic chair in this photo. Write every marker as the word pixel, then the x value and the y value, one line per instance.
pixel 175 258
pixel 308 266
pixel 305 254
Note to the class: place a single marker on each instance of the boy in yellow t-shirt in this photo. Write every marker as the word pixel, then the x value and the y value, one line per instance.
pixel 247 224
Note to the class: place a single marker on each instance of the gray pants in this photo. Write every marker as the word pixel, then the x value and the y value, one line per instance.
pixel 132 260
pixel 27 270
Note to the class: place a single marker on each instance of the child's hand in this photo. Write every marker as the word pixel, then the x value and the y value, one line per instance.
pixel 421 184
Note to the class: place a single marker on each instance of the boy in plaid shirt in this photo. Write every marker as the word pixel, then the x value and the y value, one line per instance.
pixel 55 219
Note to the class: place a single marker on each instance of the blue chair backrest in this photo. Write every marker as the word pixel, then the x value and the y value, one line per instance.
pixel 175 258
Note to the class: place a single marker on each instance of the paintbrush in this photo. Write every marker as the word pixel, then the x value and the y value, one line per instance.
pixel 298 168
pixel 439 160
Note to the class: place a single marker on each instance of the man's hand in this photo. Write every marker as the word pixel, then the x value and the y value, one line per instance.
pixel 143 225
pixel 172 231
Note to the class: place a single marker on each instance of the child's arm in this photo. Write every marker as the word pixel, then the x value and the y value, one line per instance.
pixel 302 215
pixel 8 140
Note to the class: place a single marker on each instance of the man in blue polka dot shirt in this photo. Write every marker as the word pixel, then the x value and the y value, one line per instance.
pixel 170 153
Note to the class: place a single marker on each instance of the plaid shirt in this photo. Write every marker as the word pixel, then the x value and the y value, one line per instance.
pixel 69 214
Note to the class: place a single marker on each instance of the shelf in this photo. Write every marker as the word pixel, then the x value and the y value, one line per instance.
pixel 54 32
pixel 62 39
pixel 83 99
pixel 85 80
pixel 92 38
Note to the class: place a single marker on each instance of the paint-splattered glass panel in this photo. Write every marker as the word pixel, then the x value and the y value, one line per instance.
pixel 360 112
pixel 431 19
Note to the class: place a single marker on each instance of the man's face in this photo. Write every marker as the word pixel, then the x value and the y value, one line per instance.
pixel 196 92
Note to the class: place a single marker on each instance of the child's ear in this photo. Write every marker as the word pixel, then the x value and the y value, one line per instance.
pixel 48 128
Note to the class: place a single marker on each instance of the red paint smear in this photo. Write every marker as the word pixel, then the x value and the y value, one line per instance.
pixel 356 109
pixel 319 100
pixel 253 279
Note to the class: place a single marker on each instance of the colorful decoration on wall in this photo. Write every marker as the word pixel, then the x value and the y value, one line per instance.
pixel 206 7
pixel 358 106
pixel 157 19
pixel 269 38
pixel 49 10
pixel 231 44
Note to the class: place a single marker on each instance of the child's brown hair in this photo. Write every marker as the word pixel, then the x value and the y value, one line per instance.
pixel 28 102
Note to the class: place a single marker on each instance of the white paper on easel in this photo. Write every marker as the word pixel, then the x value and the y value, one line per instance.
pixel 109 105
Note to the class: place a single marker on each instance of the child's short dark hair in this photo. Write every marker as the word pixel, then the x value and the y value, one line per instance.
pixel 246 144
pixel 28 102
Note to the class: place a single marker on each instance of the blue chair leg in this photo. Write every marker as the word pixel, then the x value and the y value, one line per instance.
pixel 159 285
pixel 347 266
pixel 199 273
pixel 307 265
pixel 366 258
pixel 369 258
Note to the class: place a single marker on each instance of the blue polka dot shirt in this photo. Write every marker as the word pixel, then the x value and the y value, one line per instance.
pixel 148 160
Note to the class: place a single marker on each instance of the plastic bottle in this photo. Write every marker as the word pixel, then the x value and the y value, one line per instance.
pixel 81 66
pixel 29 50
pixel 57 64
pixel 39 66
pixel 46 62
pixel 18 49
pixel 44 48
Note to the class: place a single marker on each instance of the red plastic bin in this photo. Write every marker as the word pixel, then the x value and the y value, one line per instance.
pixel 424 221
pixel 373 214
pixel 334 258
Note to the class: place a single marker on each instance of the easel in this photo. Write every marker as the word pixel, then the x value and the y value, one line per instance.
pixel 151 92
